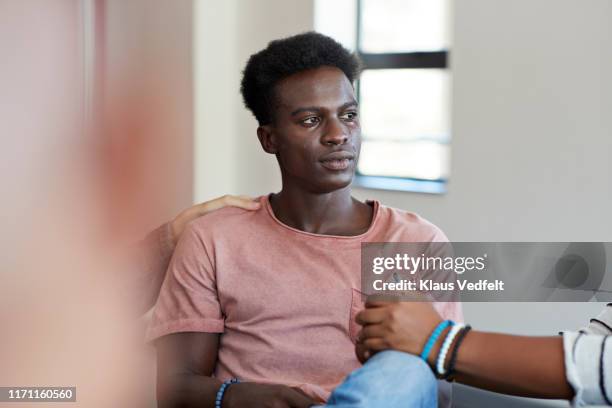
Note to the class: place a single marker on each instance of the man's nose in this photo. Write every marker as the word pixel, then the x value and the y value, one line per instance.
pixel 335 133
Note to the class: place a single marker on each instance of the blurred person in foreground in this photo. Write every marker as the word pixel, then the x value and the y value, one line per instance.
pixel 258 307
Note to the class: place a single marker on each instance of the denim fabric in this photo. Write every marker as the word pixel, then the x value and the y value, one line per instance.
pixel 390 379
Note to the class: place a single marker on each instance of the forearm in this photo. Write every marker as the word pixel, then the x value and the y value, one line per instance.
pixel 525 366
pixel 185 364
pixel 517 365
pixel 187 390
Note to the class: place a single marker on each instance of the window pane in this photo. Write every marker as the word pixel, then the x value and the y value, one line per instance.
pixel 337 19
pixel 404 25
pixel 425 160
pixel 405 104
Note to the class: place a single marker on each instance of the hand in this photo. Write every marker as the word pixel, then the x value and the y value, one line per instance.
pixel 177 226
pixel 402 326
pixel 265 396
pixel 362 352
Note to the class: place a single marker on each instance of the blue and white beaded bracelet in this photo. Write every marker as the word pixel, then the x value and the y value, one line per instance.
pixel 446 346
pixel 433 337
pixel 221 392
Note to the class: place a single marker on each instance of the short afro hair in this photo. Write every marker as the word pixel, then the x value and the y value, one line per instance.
pixel 288 56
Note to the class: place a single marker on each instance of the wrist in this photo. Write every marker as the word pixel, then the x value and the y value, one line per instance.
pixel 224 398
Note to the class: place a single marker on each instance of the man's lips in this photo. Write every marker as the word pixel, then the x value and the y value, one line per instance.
pixel 340 155
pixel 341 164
pixel 337 160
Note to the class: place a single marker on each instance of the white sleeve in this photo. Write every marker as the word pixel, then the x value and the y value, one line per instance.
pixel 602 324
pixel 588 367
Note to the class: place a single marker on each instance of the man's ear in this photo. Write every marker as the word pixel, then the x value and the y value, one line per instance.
pixel 267 138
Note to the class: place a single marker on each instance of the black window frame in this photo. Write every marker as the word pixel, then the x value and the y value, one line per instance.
pixel 398 60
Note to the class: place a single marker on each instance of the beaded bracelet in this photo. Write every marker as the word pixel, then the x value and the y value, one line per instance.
pixel 453 357
pixel 221 392
pixel 448 341
pixel 433 337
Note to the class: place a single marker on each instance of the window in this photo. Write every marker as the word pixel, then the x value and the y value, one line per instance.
pixel 404 90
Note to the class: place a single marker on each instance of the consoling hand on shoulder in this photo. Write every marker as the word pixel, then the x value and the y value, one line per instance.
pixel 177 225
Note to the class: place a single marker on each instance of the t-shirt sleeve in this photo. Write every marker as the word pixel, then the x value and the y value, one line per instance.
pixel 188 300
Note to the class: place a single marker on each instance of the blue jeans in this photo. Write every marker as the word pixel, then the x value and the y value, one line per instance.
pixel 389 379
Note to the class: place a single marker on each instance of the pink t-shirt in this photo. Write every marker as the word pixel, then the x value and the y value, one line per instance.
pixel 284 300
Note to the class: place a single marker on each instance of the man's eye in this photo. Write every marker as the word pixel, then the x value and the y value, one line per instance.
pixel 311 121
pixel 350 116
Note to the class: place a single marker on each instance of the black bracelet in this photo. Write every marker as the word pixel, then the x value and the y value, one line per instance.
pixel 453 357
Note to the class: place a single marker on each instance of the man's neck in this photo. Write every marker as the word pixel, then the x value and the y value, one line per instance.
pixel 335 213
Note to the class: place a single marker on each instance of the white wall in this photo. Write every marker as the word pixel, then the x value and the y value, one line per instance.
pixel 216 88
pixel 531 130
pixel 228 156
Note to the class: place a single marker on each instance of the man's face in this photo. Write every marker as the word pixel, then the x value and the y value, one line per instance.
pixel 316 134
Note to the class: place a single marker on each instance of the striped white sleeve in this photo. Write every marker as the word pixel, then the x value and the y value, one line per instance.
pixel 588 367
pixel 602 324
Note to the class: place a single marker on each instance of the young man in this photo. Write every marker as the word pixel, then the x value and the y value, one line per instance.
pixel 270 296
